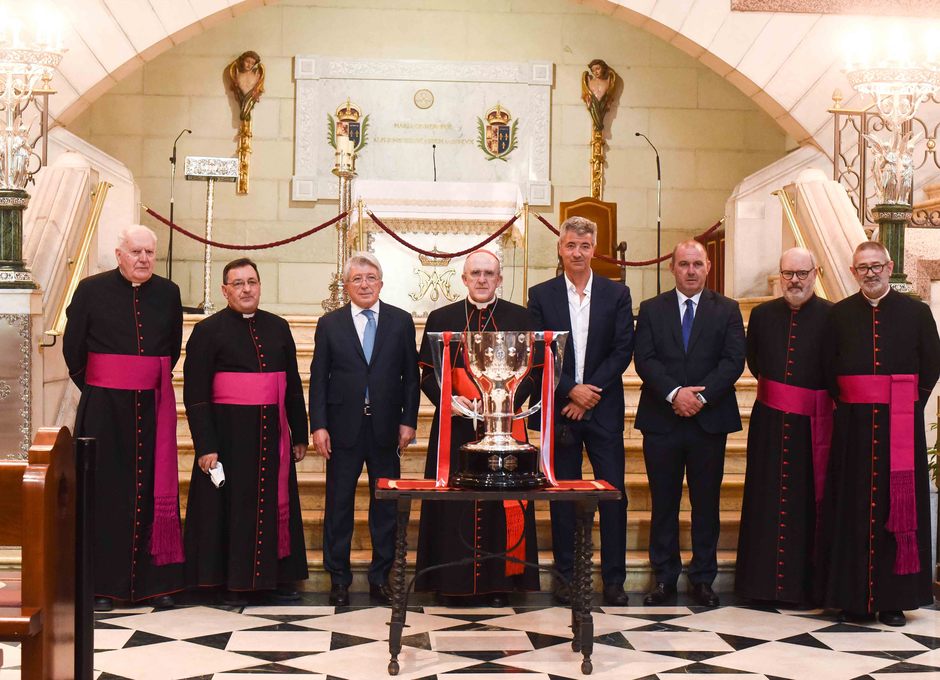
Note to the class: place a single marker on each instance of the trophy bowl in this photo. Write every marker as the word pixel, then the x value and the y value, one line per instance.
pixel 497 362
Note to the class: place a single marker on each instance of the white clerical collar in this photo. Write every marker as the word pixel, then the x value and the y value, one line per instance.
pixel 587 287
pixel 876 301
pixel 248 316
pixel 356 309
pixel 481 305
pixel 694 298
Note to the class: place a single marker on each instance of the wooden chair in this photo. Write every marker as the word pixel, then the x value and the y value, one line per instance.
pixel 604 215
pixel 37 512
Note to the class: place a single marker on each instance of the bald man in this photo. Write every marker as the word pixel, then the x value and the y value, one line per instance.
pixel 785 471
pixel 123 336
pixel 689 353
pixel 450 529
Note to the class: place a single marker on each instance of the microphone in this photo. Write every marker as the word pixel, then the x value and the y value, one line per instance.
pixel 434 159
pixel 659 206
pixel 185 131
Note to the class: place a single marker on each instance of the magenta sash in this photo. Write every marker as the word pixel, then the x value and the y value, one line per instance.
pixel 132 372
pixel 899 392
pixel 263 389
pixel 817 405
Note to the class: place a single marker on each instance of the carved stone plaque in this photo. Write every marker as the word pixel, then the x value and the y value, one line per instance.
pixel 14 385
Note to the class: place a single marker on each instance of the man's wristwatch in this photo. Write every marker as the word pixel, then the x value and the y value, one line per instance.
pixel 698 395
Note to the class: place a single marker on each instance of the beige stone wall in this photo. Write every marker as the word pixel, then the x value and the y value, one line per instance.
pixel 709 134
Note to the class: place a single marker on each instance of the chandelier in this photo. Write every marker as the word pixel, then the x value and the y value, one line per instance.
pixel 30 51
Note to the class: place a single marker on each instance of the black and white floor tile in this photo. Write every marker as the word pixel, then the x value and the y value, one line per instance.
pixel 527 641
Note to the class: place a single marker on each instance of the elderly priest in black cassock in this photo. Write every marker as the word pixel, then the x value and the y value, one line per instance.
pixel 123 336
pixel 245 405
pixel 453 530
pixel 881 353
pixel 787 441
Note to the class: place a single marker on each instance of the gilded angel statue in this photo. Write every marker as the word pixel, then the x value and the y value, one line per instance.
pixel 597 88
pixel 246 80
pixel 893 165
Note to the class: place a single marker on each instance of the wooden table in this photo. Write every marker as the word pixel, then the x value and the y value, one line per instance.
pixel 584 494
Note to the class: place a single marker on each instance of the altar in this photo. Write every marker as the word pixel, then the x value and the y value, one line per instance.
pixel 443 217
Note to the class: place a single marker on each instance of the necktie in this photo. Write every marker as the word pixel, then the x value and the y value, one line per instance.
pixel 687 320
pixel 368 338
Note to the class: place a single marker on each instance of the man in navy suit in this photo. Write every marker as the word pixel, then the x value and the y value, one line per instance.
pixel 689 352
pixel 589 396
pixel 363 409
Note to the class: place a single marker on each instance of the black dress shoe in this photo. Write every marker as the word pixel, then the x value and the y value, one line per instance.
pixel 498 600
pixel 286 593
pixel 662 594
pixel 162 602
pixel 233 598
pixel 381 593
pixel 104 604
pixel 615 596
pixel 339 595
pixel 703 594
pixel 562 594
pixel 892 618
pixel 846 616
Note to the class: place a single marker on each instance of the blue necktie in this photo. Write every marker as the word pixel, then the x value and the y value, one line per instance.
pixel 368 338
pixel 687 320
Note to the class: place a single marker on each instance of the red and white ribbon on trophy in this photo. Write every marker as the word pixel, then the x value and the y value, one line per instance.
pixel 547 452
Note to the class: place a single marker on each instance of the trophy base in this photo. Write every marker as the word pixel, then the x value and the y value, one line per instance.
pixel 503 470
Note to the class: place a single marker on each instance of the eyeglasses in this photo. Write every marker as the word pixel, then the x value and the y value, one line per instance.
pixel 238 284
pixel 359 279
pixel 482 273
pixel 801 274
pixel 863 269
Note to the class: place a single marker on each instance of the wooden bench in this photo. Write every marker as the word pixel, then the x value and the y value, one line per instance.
pixel 37 512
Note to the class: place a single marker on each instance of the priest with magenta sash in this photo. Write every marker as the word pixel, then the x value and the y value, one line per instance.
pixel 451 531
pixel 245 405
pixel 787 441
pixel 881 353
pixel 123 336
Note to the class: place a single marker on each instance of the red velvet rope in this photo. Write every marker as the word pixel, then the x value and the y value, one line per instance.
pixel 632 263
pixel 432 253
pixel 232 246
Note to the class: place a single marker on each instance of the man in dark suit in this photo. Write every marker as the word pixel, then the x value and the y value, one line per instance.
pixel 689 352
pixel 363 409
pixel 589 396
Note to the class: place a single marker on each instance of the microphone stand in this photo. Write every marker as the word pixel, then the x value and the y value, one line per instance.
pixel 434 159
pixel 659 208
pixel 169 249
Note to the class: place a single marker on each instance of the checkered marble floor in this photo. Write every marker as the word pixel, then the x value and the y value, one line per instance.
pixel 527 641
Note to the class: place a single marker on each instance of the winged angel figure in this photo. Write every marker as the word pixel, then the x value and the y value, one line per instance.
pixel 597 88
pixel 893 165
pixel 246 78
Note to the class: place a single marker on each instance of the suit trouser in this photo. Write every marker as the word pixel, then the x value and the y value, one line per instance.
pixel 701 456
pixel 605 451
pixel 342 476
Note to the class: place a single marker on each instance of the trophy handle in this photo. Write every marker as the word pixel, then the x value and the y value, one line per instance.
pixel 561 338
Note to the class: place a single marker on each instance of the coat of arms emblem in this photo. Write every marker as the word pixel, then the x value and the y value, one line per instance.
pixel 496 137
pixel 347 124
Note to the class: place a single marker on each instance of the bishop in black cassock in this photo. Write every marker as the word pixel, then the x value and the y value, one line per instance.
pixel 232 531
pixel 126 311
pixel 871 563
pixel 778 515
pixel 452 530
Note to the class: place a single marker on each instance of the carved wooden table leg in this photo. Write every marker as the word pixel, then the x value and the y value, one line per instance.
pixel 399 592
pixel 574 587
pixel 584 552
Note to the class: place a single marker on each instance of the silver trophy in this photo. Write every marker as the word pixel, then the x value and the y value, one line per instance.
pixel 497 362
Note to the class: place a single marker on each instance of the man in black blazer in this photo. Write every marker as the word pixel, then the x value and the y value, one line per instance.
pixel 689 353
pixel 589 397
pixel 363 409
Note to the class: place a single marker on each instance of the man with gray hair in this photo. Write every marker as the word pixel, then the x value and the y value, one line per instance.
pixel 787 440
pixel 122 339
pixel 589 403
pixel 881 355
pixel 363 409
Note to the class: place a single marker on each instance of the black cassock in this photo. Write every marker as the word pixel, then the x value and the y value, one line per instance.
pixel 109 315
pixel 451 530
pixel 231 532
pixel 778 516
pixel 857 553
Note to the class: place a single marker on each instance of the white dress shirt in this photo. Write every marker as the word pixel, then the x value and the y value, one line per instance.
pixel 360 320
pixel 580 312
pixel 682 298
